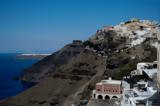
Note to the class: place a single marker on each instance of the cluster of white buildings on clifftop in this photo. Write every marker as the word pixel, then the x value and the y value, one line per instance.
pixel 140 93
pixel 130 92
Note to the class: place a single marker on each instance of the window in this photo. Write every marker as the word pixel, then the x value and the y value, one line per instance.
pixel 98 89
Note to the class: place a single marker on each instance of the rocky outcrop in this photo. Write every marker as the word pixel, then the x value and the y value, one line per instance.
pixel 49 64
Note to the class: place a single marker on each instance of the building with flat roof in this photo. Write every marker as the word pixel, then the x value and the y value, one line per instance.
pixel 139 95
pixel 149 68
pixel 108 89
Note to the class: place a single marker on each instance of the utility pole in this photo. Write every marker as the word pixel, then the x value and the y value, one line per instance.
pixel 158 59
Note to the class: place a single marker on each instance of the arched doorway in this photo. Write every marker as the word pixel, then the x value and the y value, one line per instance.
pixel 114 97
pixel 107 97
pixel 100 97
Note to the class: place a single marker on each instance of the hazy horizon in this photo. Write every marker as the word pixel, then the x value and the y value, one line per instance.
pixel 44 26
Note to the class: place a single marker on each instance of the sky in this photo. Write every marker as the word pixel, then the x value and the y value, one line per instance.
pixel 44 26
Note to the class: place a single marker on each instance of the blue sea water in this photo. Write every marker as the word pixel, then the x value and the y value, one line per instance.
pixel 11 67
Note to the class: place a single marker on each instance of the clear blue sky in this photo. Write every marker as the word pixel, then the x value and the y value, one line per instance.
pixel 31 26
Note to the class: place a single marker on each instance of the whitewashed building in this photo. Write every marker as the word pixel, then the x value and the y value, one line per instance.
pixel 139 95
pixel 149 68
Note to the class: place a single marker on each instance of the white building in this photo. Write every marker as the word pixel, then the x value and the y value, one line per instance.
pixel 139 95
pixel 149 68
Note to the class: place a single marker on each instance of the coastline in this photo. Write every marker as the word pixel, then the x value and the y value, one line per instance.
pixel 32 56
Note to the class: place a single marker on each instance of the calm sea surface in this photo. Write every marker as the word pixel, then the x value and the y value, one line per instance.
pixel 10 68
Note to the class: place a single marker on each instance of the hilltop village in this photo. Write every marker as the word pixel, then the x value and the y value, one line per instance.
pixel 141 86
pixel 117 66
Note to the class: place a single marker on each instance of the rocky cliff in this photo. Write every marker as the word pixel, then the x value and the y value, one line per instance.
pixel 69 75
pixel 49 64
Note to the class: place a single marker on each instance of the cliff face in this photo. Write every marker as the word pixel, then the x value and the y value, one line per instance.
pixel 69 75
pixel 64 83
pixel 127 40
pixel 49 64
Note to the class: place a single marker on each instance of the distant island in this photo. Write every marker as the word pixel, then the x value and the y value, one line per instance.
pixel 32 56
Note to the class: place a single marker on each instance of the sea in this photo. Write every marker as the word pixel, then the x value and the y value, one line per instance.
pixel 11 68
